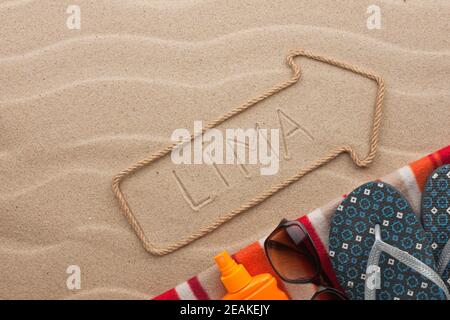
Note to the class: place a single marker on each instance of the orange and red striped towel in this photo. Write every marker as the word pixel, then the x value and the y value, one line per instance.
pixel 409 180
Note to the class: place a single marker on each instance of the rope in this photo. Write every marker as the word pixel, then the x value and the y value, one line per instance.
pixel 296 75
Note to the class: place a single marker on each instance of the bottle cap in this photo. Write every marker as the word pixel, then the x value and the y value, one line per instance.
pixel 234 276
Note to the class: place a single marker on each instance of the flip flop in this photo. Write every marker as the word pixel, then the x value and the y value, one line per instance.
pixel 379 250
pixel 436 218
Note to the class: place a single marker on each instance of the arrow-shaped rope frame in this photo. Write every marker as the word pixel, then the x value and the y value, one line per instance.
pixel 296 75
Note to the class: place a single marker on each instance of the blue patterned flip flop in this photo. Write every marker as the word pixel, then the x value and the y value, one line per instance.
pixel 436 217
pixel 379 250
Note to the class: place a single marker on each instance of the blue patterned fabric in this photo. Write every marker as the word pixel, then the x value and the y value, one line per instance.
pixel 436 212
pixel 352 238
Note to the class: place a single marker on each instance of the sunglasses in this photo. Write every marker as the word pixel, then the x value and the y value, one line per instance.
pixel 293 256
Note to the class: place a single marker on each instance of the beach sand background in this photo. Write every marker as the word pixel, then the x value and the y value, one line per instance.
pixel 78 106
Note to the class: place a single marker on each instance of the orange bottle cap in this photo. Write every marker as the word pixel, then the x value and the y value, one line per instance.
pixel 234 276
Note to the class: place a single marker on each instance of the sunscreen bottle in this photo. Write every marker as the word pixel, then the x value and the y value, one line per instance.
pixel 242 286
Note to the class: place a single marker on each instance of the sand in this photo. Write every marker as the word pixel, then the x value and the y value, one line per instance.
pixel 77 106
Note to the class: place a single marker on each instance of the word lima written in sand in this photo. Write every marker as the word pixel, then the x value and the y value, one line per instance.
pixel 266 151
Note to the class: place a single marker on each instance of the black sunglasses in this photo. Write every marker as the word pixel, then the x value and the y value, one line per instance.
pixel 293 256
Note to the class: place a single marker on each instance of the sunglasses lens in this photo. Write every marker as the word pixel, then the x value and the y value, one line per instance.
pixel 328 295
pixel 292 254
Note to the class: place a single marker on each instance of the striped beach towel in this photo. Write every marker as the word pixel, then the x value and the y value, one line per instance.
pixel 409 180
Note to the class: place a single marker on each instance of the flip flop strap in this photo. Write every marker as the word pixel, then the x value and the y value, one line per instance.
pixel 402 256
pixel 444 259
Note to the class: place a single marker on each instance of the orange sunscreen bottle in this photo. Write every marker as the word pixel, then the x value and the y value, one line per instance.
pixel 242 286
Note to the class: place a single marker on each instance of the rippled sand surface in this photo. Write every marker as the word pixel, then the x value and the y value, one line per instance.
pixel 77 106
